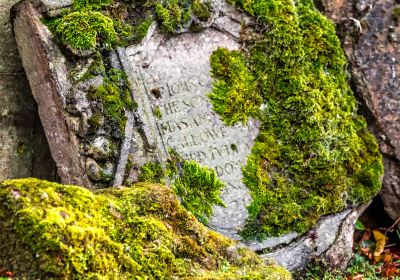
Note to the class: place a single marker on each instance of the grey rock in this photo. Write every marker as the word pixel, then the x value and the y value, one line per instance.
pixel 23 150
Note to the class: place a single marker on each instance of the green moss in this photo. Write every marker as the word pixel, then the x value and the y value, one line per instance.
pixel 152 172
pixel 68 232
pixel 314 155
pixel 157 112
pixel 115 97
pixel 91 4
pixel 140 30
pixel 198 187
pixel 202 9
pixel 96 67
pixel 106 24
pixel 173 14
pixel 95 121
pixel 234 96
pixel 82 30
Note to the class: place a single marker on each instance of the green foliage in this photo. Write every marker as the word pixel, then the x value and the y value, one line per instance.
pixel 234 96
pixel 314 155
pixel 83 30
pixel 68 232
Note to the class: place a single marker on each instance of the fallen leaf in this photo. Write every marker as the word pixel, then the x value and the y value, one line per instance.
pixel 356 277
pixel 380 239
pixel 5 273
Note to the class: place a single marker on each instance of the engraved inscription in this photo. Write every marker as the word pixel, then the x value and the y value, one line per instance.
pixel 177 81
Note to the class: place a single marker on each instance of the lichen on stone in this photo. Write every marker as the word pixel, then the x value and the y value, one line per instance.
pixel 314 154
pixel 53 231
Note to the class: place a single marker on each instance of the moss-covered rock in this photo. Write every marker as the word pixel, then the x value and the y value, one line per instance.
pixel 53 231
pixel 314 154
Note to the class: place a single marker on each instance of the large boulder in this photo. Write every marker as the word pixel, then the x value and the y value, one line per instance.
pixel 257 93
pixel 53 231
pixel 369 31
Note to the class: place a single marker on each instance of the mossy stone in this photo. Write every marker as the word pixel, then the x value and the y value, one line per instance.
pixel 314 155
pixel 139 232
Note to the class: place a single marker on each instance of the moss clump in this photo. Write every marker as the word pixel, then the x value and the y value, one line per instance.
pixel 95 68
pixel 198 187
pixel 152 172
pixel 314 155
pixel 140 30
pixel 202 9
pixel 157 112
pixel 82 30
pixel 234 94
pixel 104 24
pixel 173 14
pixel 114 96
pixel 68 232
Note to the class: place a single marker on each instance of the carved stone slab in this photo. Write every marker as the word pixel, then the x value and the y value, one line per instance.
pixel 170 78
pixel 175 79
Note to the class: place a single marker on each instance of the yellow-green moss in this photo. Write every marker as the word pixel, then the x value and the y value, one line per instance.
pixel 157 112
pixel 314 155
pixel 198 187
pixel 234 94
pixel 152 172
pixel 105 24
pixel 82 30
pixel 142 232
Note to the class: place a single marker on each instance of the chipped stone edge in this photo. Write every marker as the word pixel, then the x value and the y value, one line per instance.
pixel 319 242
pixel 45 85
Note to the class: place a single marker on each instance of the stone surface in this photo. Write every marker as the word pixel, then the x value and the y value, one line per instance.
pixel 179 72
pixel 370 36
pixel 169 75
pixel 23 150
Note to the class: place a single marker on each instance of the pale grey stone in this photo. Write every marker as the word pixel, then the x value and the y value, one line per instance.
pixel 321 240
pixel 179 71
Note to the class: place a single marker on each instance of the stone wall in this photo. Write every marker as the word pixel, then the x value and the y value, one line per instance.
pixel 23 147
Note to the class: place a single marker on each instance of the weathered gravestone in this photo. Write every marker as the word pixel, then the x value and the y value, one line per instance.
pixel 169 78
pixel 172 74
